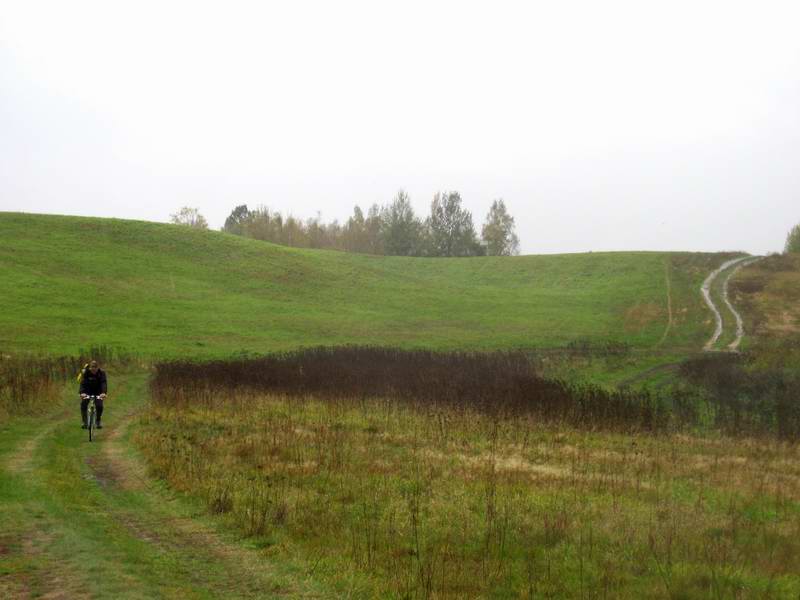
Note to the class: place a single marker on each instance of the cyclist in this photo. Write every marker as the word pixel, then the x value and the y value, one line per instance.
pixel 93 383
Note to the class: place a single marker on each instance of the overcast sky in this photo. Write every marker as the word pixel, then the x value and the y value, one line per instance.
pixel 608 125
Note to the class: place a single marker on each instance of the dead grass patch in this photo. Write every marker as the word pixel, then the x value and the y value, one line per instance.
pixel 641 315
pixel 414 500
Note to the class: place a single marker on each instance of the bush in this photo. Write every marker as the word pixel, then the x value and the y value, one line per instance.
pixel 501 384
pixel 26 384
pixel 746 395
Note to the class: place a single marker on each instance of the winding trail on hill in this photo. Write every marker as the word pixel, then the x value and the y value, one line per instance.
pixel 85 520
pixel 732 266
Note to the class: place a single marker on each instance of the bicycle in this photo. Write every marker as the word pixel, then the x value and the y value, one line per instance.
pixel 91 416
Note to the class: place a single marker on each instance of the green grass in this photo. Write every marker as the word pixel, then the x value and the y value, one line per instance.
pixel 166 291
pixel 364 497
pixel 80 519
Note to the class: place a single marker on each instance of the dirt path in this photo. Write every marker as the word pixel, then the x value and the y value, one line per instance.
pixel 70 509
pixel 706 292
pixel 729 268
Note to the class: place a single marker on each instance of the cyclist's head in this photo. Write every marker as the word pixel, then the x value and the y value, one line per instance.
pixel 93 366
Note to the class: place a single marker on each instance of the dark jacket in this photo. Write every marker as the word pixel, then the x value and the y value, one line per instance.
pixel 93 384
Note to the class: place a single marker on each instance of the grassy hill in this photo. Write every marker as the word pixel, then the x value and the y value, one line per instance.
pixel 199 495
pixel 162 290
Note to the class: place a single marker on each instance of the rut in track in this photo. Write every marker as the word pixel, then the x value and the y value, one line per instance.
pixel 731 266
pixel 734 345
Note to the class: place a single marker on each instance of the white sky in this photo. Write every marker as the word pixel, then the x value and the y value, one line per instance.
pixel 608 125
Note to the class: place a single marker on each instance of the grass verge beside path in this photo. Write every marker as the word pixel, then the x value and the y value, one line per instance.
pixel 768 293
pixel 82 520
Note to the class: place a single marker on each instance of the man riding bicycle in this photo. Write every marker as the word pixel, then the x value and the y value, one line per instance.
pixel 93 383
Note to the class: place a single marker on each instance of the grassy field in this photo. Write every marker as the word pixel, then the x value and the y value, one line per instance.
pixel 166 291
pixel 281 492
pixel 389 500
pixel 82 520
pixel 769 293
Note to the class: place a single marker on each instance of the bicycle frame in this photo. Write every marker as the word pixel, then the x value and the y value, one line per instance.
pixel 91 416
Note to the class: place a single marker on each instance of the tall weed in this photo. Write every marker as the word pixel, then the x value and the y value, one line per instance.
pixel 503 384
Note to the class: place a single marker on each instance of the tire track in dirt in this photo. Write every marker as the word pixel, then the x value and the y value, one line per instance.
pixel 734 345
pixel 705 290
pixel 110 467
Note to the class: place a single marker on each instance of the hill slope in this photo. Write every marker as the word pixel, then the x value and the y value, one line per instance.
pixel 769 294
pixel 163 290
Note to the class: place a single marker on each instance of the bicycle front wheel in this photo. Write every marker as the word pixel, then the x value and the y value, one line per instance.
pixel 90 425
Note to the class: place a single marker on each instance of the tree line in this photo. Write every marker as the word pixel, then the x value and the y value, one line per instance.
pixel 393 229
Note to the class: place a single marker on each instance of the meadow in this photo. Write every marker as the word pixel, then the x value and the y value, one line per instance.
pixel 394 489
pixel 537 426
pixel 769 294
pixel 166 291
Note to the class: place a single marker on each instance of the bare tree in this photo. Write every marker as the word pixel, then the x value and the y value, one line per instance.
pixel 190 217
pixel 373 225
pixel 355 237
pixel 262 224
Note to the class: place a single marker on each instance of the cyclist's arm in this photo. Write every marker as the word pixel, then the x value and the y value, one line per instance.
pixel 82 390
pixel 103 384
